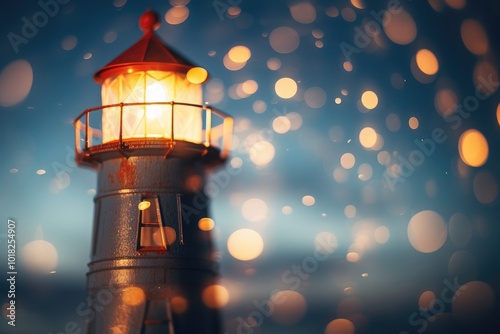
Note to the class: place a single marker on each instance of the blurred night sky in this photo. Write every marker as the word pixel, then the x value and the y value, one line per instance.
pixel 371 151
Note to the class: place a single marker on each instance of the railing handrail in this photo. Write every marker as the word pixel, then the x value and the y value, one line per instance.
pixel 227 122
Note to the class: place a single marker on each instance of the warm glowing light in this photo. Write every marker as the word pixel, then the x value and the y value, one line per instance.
pixel 427 62
pixel 249 87
pixel 427 231
pixel 308 200
pixel 303 12
pixel 15 82
pixel 215 296
pixel 141 121
pixel 347 160
pixel 197 75
pixel 347 65
pixel 426 300
pixel 40 172
pixel 133 296
pixel 40 256
pixel 352 257
pixel 474 37
pixel 473 148
pixel 261 153
pixel 239 54
pixel 245 244
pixel 179 304
pixel 358 4
pixel 498 114
pixel 368 137
pixel 177 15
pixel 289 307
pixel 254 210
pixel 144 205
pixel 206 224
pixel 284 39
pixel 285 88
pixel 273 64
pixel 413 123
pixel 369 99
pixel 338 100
pixel 231 65
pixel 281 124
pixel 400 27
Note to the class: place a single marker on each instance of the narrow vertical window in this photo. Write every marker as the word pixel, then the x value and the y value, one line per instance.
pixel 153 234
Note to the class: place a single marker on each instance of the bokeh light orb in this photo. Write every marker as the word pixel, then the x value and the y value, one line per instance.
pixel 40 256
pixel 206 224
pixel 369 99
pixel 368 137
pixel 133 296
pixel 286 88
pixel 427 62
pixel 303 12
pixel 239 54
pixel 289 307
pixel 400 27
pixel 197 75
pixel 340 326
pixel 284 40
pixel 16 80
pixel 245 244
pixel 215 296
pixel 473 301
pixel 473 148
pixel 261 153
pixel 427 231
pixel 254 210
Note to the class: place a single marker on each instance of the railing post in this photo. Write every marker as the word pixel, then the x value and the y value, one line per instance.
pixel 120 138
pixel 226 133
pixel 208 131
pixel 172 103
pixel 87 120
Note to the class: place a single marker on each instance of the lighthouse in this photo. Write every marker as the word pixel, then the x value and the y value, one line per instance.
pixel 152 142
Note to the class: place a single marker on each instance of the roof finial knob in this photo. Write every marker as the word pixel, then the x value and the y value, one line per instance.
pixel 149 21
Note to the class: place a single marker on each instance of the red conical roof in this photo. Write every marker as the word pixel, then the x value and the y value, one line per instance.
pixel 149 53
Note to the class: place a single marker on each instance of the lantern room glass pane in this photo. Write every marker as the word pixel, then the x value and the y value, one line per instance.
pixel 151 121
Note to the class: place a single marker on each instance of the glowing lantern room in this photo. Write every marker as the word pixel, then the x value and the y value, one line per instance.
pixel 146 92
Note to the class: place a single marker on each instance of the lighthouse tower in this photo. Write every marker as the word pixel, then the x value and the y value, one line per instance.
pixel 151 143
